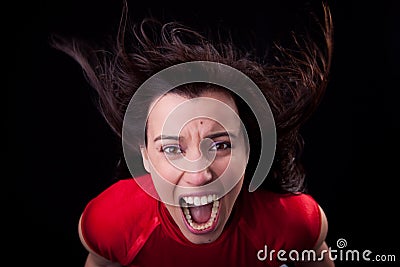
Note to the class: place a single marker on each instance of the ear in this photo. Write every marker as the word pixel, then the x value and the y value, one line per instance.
pixel 145 158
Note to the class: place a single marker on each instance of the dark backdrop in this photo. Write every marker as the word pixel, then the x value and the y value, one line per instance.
pixel 61 152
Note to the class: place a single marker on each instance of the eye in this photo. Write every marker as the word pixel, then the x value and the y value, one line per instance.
pixel 220 146
pixel 171 149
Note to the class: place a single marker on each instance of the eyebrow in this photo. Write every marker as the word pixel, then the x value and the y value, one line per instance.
pixel 219 134
pixel 211 136
pixel 163 137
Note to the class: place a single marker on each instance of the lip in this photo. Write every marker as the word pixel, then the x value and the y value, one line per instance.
pixel 209 229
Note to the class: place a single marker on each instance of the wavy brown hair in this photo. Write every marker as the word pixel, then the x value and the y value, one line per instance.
pixel 293 79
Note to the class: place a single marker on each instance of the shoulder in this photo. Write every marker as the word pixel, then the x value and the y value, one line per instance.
pixel 122 199
pixel 303 220
pixel 112 222
pixel 291 220
pixel 287 205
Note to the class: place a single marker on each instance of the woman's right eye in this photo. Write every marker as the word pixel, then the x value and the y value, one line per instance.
pixel 172 149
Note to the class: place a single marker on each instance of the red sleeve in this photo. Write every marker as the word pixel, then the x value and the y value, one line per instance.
pixel 303 218
pixel 281 221
pixel 117 223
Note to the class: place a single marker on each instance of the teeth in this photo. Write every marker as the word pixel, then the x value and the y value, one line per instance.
pixel 196 201
pixel 199 200
pixel 206 225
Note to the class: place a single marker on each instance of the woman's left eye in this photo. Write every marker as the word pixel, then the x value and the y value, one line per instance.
pixel 220 146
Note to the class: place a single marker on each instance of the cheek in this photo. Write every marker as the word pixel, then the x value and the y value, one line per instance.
pixel 232 196
pixel 164 168
pixel 220 165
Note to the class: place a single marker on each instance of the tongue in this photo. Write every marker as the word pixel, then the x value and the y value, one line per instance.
pixel 201 214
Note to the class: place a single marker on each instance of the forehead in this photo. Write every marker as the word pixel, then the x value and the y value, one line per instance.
pixel 166 108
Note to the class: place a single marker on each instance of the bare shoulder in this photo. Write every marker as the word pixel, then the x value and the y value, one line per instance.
pixel 94 260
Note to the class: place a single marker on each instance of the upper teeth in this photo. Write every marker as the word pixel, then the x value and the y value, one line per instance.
pixel 200 200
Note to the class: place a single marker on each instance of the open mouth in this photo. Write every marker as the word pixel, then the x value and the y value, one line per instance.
pixel 200 212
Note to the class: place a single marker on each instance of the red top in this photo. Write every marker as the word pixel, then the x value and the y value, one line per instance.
pixel 126 225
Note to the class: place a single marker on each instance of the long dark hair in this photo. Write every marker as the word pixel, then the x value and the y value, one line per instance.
pixel 292 78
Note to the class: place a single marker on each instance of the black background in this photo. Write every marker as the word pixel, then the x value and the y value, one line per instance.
pixel 62 153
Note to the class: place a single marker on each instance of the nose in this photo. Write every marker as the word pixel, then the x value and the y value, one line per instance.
pixel 198 178
pixel 197 164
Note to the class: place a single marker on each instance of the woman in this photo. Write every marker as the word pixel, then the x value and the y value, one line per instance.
pixel 199 144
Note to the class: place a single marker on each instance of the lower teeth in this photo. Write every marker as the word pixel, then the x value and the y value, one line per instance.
pixel 202 226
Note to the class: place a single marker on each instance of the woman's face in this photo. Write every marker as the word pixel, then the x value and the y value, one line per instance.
pixel 201 213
